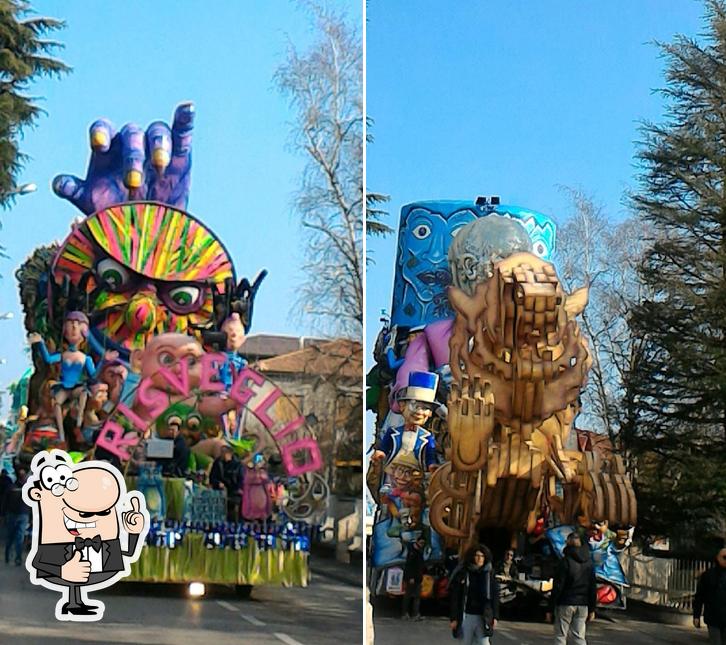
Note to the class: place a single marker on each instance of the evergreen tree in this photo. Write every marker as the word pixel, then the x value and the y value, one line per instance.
pixel 374 213
pixel 25 55
pixel 678 383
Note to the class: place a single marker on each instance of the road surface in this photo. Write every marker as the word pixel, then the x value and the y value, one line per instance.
pixel 328 612
pixel 618 631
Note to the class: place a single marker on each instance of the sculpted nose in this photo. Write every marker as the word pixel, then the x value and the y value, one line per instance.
pixel 140 313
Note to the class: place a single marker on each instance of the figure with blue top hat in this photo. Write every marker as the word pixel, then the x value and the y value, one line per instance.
pixel 411 439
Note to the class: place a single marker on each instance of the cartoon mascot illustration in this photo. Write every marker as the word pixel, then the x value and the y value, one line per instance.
pixel 77 509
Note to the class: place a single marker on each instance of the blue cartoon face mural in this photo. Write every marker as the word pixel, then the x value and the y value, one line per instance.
pixel 422 271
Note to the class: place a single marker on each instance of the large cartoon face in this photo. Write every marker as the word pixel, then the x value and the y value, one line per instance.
pixel 186 420
pixel 425 233
pixel 170 351
pixel 422 272
pixel 151 267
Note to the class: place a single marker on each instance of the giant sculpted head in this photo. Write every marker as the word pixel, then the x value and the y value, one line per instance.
pixel 145 269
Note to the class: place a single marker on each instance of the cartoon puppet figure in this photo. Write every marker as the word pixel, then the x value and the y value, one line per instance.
pixel 235 336
pixel 411 438
pixel 76 541
pixel 402 494
pixel 73 364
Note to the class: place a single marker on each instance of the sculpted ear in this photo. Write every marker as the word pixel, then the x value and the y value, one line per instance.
pixel 34 494
pixel 577 301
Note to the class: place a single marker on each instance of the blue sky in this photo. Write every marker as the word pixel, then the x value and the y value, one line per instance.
pixel 135 61
pixel 509 98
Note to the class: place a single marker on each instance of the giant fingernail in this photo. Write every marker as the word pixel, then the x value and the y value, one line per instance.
pixel 99 139
pixel 134 178
pixel 160 158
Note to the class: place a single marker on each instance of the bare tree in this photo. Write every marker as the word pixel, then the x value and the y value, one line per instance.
pixel 324 85
pixel 594 250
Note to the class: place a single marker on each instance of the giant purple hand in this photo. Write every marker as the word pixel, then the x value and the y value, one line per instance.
pixel 134 165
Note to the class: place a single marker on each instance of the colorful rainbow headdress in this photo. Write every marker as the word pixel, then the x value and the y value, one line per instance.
pixel 154 240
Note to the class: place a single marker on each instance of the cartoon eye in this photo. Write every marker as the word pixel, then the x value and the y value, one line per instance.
pixel 49 477
pixel 421 231
pixel 166 359
pixel 114 275
pixel 184 296
pixel 193 422
pixel 173 420
pixel 64 474
pixel 192 361
pixel 540 249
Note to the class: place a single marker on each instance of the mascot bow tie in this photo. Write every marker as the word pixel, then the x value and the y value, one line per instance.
pixel 94 543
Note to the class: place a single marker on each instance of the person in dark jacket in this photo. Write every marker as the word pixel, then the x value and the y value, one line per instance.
pixel 226 475
pixel 474 598
pixel 711 598
pixel 413 576
pixel 17 516
pixel 6 483
pixel 574 594
pixel 507 568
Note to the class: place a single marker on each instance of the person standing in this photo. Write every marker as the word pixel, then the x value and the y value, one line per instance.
pixel 226 475
pixel 711 598
pixel 6 483
pixel 507 568
pixel 474 598
pixel 413 576
pixel 574 593
pixel 17 514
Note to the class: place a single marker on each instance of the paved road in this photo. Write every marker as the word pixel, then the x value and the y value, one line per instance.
pixel 622 631
pixel 328 612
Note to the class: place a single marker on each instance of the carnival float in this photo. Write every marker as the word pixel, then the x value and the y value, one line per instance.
pixel 476 389
pixel 136 321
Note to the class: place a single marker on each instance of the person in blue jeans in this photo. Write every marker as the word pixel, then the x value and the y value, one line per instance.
pixel 17 514
pixel 474 598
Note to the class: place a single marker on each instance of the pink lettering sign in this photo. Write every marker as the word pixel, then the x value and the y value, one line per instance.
pixel 307 445
pixel 151 398
pixel 210 370
pixel 291 427
pixel 112 438
pixel 240 391
pixel 180 381
pixel 138 422
pixel 261 410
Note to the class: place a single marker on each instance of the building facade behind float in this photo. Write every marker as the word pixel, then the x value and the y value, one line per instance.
pixel 324 380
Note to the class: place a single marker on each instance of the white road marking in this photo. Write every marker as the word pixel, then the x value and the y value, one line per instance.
pixel 227 605
pixel 286 639
pixel 252 620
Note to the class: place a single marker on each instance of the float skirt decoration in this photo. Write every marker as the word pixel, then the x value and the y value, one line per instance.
pixel 191 561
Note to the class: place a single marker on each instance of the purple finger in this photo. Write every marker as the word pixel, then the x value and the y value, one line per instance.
pixel 158 145
pixel 101 133
pixel 181 129
pixel 132 151
pixel 72 188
